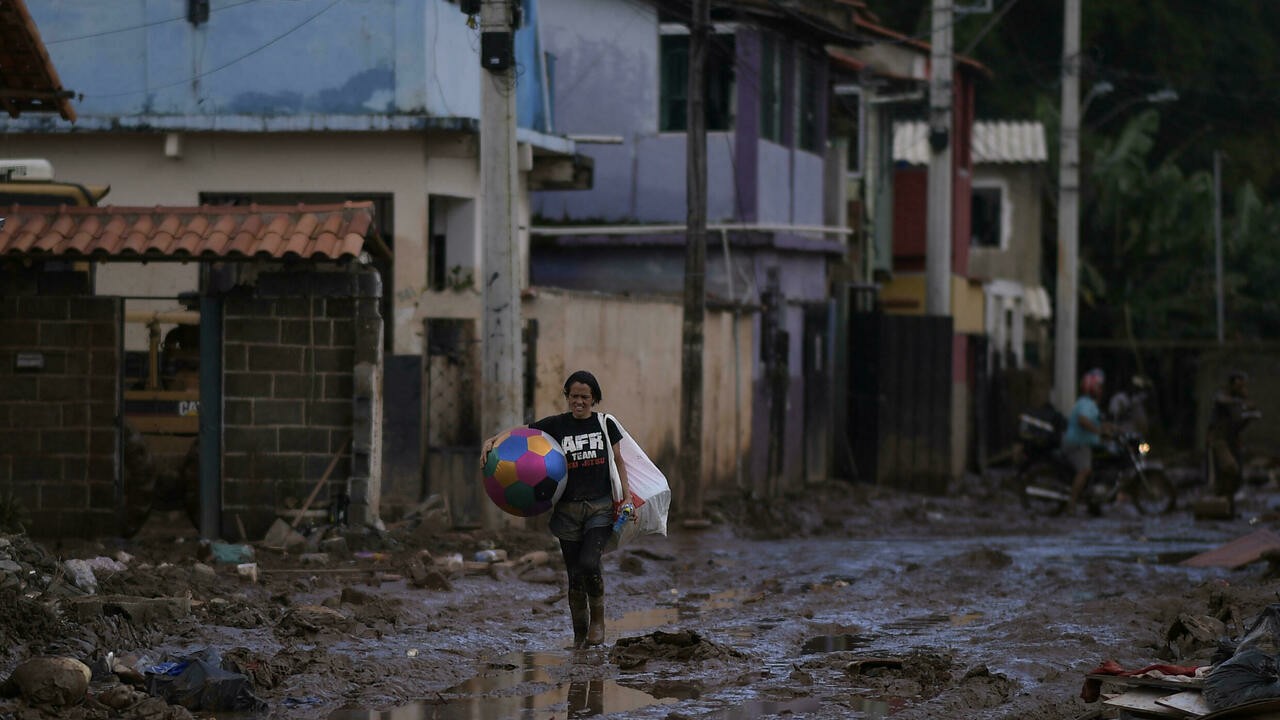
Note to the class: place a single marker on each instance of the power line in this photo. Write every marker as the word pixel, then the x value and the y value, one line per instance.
pixel 227 64
pixel 995 20
pixel 142 26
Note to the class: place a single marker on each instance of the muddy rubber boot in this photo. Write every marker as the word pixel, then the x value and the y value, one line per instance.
pixel 595 633
pixel 578 613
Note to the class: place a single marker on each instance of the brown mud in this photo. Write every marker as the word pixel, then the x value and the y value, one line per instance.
pixel 857 602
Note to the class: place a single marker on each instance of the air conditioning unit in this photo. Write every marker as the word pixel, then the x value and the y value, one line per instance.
pixel 26 170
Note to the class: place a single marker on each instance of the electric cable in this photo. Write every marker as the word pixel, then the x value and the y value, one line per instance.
pixel 223 66
pixel 142 26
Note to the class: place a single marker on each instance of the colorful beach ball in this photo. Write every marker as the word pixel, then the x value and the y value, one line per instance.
pixel 525 471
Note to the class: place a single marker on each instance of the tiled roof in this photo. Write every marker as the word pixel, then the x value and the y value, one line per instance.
pixel 873 28
pixel 1001 141
pixel 28 82
pixel 332 232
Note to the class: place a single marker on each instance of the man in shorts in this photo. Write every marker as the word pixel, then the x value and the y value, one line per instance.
pixel 1084 432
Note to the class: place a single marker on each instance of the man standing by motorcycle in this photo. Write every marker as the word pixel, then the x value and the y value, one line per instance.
pixel 1128 407
pixel 1084 432
pixel 1231 413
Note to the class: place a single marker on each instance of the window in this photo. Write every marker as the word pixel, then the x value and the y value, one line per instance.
pixel 807 103
pixel 674 77
pixel 771 88
pixel 987 226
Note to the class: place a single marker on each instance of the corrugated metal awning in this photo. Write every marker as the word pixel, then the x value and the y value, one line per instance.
pixel 322 232
pixel 994 142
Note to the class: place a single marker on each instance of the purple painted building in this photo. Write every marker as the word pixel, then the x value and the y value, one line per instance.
pixel 618 81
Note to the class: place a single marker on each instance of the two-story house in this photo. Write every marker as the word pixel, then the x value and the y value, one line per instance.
pixel 1004 258
pixel 279 103
pixel 621 78
pixel 908 378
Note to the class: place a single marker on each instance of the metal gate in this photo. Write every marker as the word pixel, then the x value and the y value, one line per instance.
pixel 452 387
pixel 900 399
pixel 817 393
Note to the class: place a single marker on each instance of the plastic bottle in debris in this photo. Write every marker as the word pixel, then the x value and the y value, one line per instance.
pixel 491 556
pixel 623 516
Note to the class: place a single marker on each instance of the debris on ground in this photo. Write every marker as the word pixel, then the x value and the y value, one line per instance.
pixel 1243 673
pixel 962 607
pixel 1239 552
pixel 681 646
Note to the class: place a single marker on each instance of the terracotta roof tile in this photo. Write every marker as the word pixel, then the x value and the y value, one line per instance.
pixel 330 232
pixel 27 77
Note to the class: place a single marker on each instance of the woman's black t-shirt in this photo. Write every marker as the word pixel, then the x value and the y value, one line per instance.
pixel 584 448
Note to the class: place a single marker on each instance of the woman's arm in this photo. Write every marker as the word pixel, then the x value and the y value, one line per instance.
pixel 1101 427
pixel 487 445
pixel 622 472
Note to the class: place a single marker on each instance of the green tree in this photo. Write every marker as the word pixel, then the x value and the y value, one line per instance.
pixel 1145 232
pixel 1147 247
pixel 1221 57
pixel 1146 243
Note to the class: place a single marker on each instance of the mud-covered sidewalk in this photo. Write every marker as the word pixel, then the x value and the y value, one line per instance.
pixel 856 603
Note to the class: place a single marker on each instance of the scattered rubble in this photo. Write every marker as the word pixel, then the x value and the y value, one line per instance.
pixel 86 607
pixel 682 646
pixel 415 608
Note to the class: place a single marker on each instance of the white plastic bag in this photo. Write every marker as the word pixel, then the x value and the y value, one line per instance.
pixel 650 492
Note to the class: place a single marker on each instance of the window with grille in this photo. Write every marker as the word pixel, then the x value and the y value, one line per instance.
pixel 987 227
pixel 771 88
pixel 718 93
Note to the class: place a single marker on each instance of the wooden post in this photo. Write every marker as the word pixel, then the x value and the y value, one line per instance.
pixel 694 266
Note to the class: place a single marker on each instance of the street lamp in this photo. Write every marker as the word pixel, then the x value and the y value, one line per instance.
pixel 1098 90
pixel 1159 97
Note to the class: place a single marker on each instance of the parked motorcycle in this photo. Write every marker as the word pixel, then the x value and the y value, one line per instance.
pixel 1045 475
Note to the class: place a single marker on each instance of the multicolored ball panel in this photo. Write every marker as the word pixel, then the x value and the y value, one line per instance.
pixel 525 471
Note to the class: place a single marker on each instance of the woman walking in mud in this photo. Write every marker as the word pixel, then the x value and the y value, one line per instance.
pixel 583 518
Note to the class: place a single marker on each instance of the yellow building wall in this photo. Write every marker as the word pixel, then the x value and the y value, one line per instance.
pixel 904 295
pixel 967 308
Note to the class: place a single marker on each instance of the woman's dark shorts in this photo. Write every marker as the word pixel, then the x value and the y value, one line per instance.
pixel 571 518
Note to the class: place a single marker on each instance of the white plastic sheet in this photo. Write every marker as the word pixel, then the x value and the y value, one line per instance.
pixel 650 492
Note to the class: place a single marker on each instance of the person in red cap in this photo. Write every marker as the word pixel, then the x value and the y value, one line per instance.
pixel 1084 431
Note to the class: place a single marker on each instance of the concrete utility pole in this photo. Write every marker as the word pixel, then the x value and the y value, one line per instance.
pixel 502 394
pixel 1064 346
pixel 937 261
pixel 695 266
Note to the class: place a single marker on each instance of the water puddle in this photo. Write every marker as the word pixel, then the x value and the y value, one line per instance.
pixel 512 670
pixel 587 698
pixel 689 606
pixel 835 643
pixel 495 695
pixel 702 602
pixel 644 620
pixel 877 708
pixel 766 708
pixel 927 621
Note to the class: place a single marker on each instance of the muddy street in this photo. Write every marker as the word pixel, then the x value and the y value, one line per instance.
pixel 862 604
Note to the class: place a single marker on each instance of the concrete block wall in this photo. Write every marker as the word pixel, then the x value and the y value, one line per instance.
pixel 298 374
pixel 59 443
